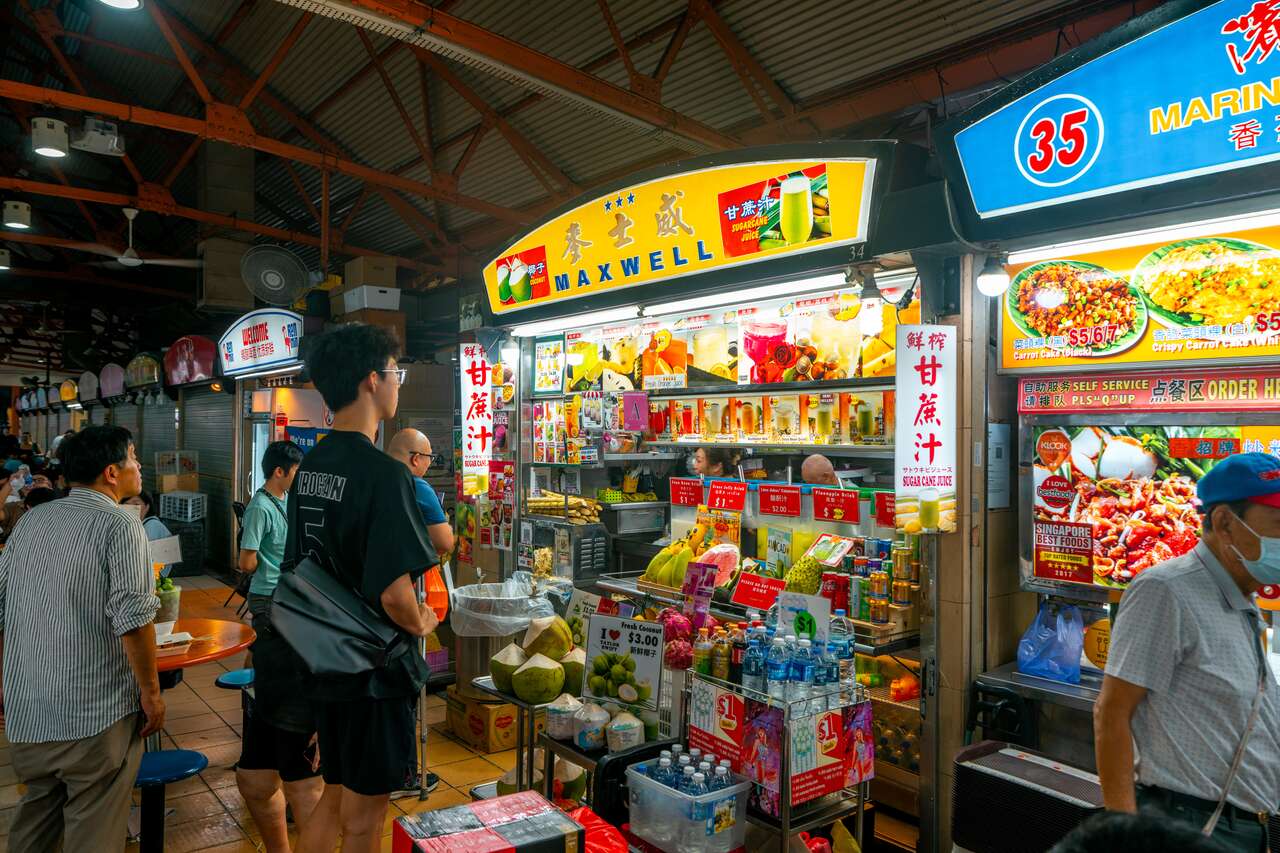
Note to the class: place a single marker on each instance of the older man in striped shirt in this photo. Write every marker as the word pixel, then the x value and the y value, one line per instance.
pixel 77 602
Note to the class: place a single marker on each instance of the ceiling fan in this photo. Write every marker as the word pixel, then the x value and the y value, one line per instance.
pixel 131 259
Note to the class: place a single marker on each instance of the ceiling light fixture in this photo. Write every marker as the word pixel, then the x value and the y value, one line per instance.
pixel 4 259
pixel 126 5
pixel 993 280
pixel 17 214
pixel 737 297
pixel 49 137
pixel 560 324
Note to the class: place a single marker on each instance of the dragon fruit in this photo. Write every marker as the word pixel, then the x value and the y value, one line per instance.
pixel 676 627
pixel 678 654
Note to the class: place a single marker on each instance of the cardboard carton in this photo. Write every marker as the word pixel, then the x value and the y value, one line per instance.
pixel 486 726
pixel 178 483
pixel 377 270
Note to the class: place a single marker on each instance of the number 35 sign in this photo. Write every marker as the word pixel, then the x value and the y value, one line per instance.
pixel 1059 140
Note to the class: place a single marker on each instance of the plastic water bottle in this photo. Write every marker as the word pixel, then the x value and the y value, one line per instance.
pixel 695 756
pixel 664 773
pixel 695 836
pixel 842 642
pixel 778 670
pixel 753 665
pixel 666 753
pixel 686 780
pixel 676 749
pixel 705 769
pixel 721 779
pixel 823 663
pixel 710 758
pixel 800 682
pixel 726 764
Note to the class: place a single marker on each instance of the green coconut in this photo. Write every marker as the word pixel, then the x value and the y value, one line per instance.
pixel 572 780
pixel 574 663
pixel 550 636
pixel 507 784
pixel 504 664
pixel 538 681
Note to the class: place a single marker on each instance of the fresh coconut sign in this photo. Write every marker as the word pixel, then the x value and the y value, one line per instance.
pixel 624 661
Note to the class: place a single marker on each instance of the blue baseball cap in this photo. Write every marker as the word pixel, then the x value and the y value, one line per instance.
pixel 1253 477
pixel 11 465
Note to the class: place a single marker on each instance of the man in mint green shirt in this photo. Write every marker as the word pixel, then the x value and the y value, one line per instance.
pixel 266 524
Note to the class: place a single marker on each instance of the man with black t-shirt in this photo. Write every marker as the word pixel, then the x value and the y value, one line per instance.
pixel 352 509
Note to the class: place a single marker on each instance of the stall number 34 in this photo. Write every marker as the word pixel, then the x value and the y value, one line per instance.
pixel 1063 140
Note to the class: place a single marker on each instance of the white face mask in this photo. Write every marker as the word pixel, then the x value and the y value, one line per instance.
pixel 1266 569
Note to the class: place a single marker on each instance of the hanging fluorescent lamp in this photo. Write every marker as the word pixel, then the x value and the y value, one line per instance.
pixel 751 294
pixel 17 214
pixel 49 137
pixel 126 5
pixel 4 259
pixel 993 280
pixel 560 324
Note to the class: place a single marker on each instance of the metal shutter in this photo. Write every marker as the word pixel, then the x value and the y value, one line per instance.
pixel 99 415
pixel 126 415
pixel 159 432
pixel 208 427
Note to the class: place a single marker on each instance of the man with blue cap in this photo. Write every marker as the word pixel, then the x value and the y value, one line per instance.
pixel 1188 692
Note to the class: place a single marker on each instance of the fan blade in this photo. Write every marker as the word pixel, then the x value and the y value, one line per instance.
pixel 183 263
pixel 97 249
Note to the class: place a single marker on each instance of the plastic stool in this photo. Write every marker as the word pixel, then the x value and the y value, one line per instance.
pixel 236 679
pixel 159 768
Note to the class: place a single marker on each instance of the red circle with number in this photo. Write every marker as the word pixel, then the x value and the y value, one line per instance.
pixel 1059 140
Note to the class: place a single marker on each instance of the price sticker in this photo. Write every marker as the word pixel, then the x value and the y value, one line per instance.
pixel 685 491
pixel 624 661
pixel 780 500
pixel 726 494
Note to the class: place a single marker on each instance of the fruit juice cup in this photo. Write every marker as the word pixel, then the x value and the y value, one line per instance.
pixel 866 421
pixel 796 216
pixel 748 418
pixel 711 414
pixel 930 509
pixel 686 419
pixel 823 421
pixel 759 338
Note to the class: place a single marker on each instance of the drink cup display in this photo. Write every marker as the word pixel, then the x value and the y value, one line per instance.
pixel 824 420
pixel 748 418
pixel 866 421
pixel 711 419
pixel 796 217
pixel 929 509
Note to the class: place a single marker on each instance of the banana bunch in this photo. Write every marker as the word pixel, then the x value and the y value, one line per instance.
pixel 669 565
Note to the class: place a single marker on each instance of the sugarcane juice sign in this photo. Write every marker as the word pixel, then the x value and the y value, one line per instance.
pixel 925 432
pixel 477 420
pixel 683 224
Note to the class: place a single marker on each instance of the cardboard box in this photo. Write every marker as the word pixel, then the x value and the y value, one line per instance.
pixel 516 823
pixel 486 726
pixel 178 483
pixel 368 296
pixel 393 321
pixel 337 306
pixel 377 270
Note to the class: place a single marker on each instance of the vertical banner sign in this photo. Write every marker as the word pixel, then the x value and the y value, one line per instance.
pixel 717 722
pixel 624 660
pixel 477 420
pixel 925 435
pixel 819 756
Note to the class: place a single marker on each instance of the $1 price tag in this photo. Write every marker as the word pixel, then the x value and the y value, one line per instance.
pixel 624 660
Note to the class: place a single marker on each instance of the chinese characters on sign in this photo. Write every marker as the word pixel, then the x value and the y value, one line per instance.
pixel 260 339
pixel 925 432
pixel 1246 389
pixel 477 420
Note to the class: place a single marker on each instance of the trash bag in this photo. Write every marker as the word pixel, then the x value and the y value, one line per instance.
pixel 601 837
pixel 497 609
pixel 1052 644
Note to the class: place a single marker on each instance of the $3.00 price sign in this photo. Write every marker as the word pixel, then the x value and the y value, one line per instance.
pixel 624 661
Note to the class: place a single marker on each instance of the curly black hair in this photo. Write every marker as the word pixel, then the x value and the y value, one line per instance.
pixel 344 357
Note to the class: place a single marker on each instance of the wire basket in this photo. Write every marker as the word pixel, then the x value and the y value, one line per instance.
pixel 183 506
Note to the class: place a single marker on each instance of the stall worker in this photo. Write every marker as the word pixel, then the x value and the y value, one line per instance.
pixel 817 470
pixel 1188 692
pixel 714 462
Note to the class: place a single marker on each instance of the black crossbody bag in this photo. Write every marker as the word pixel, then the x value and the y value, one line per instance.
pixel 330 627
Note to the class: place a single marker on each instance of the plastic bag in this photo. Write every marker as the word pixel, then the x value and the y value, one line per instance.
pixel 1051 646
pixel 601 837
pixel 497 609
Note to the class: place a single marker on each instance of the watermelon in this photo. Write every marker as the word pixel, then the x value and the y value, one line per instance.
pixel 728 563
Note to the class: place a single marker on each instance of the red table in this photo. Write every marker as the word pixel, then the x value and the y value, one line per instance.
pixel 213 639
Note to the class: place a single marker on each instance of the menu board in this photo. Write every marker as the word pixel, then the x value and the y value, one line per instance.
pixel 1110 502
pixel 1203 298
pixel 548 366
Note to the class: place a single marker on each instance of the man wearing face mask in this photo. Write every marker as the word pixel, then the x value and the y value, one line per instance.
pixel 1187 691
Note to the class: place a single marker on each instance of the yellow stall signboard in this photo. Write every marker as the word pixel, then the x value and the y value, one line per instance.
pixel 1203 299
pixel 683 224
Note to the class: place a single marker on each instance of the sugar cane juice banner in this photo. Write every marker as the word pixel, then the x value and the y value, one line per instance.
pixel 684 224
pixel 1204 298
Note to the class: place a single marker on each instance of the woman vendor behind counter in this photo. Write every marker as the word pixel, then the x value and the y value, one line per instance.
pixel 715 462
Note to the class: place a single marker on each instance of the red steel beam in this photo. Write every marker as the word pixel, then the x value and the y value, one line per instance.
pixel 302 191
pixel 746 65
pixel 245 136
pixel 418 18
pixel 418 141
pixel 276 58
pixel 470 150
pixel 155 206
pixel 324 222
pixel 351 82
pixel 162 24
pixel 351 213
pixel 669 53
pixel 98 280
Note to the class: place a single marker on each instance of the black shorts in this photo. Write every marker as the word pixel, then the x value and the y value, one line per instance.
pixel 267 747
pixel 369 746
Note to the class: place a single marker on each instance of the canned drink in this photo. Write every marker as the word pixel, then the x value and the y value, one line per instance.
pixel 880 610
pixel 902 561
pixel 915 571
pixel 902 592
pixel 864 599
pixel 835 588
pixel 860 567
pixel 883 549
pixel 880 584
pixel 859 548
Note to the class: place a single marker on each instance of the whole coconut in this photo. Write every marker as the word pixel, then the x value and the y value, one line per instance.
pixel 538 681
pixel 574 663
pixel 550 636
pixel 504 664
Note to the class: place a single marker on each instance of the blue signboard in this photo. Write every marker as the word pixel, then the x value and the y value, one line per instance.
pixel 1196 96
pixel 306 437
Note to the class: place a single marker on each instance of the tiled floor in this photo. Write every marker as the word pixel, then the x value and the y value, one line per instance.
pixel 209 812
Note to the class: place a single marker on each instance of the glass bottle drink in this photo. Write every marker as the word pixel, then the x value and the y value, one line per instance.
pixel 721 656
